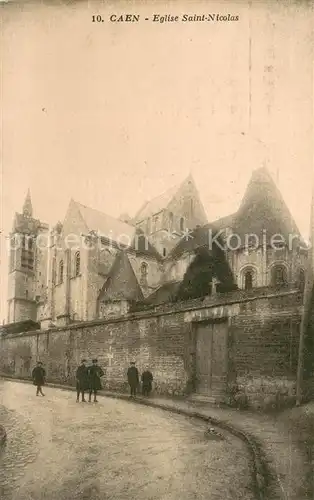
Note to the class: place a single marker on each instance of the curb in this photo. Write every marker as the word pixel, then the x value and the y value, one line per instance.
pixel 260 472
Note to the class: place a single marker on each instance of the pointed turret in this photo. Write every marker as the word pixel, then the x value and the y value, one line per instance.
pixel 263 210
pixel 27 207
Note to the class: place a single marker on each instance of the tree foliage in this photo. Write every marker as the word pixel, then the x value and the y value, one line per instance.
pixel 208 264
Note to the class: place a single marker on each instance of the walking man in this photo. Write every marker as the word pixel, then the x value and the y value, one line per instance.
pixel 133 378
pixel 147 379
pixel 81 381
pixel 94 375
pixel 39 376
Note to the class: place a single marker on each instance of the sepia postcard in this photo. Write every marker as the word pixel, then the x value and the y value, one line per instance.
pixel 157 269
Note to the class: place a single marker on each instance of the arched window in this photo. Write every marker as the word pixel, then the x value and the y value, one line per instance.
pixel 164 252
pixel 61 271
pixel 182 224
pixel 143 270
pixel 192 205
pixel 301 279
pixel 24 253
pixel 279 276
pixel 248 280
pixel 30 253
pixel 155 223
pixel 77 264
pixel 170 221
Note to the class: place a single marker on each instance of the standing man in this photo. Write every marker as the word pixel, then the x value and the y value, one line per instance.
pixel 81 381
pixel 39 376
pixel 94 375
pixel 147 379
pixel 133 378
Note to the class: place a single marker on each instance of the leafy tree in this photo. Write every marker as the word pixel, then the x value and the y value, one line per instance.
pixel 208 264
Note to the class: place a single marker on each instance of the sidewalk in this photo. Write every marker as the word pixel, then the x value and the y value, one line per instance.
pixel 281 446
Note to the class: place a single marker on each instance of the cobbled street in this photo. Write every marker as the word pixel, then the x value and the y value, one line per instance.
pixel 58 449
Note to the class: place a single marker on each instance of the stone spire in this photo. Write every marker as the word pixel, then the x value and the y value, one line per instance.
pixel 27 207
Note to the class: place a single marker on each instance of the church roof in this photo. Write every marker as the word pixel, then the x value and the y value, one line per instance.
pixel 106 225
pixel 157 204
pixel 164 294
pixel 263 211
pixel 121 282
pixel 223 222
pixel 160 202
pixel 199 237
pixel 115 230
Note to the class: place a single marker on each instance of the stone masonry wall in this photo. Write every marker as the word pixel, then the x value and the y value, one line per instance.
pixel 263 346
pixel 265 351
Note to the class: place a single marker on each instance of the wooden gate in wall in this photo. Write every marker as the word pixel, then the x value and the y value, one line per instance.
pixel 211 358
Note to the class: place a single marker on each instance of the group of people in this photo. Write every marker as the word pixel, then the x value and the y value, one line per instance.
pixel 88 379
pixel 134 380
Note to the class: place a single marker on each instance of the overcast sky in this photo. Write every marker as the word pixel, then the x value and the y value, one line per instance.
pixel 111 114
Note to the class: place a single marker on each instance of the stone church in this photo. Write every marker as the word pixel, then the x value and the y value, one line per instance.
pixel 95 266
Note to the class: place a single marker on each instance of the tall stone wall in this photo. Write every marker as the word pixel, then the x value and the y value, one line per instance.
pixel 265 350
pixel 263 332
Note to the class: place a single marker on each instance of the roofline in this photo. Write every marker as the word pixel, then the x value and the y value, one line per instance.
pixel 176 186
pixel 100 212
pixel 140 210
pixel 278 193
pixel 166 283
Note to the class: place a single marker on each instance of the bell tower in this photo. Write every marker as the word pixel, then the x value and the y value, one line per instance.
pixel 22 265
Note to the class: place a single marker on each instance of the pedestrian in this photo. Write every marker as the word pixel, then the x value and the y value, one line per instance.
pixel 81 381
pixel 94 375
pixel 133 378
pixel 147 379
pixel 39 377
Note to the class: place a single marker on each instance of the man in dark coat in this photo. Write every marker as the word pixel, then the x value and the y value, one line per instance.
pixel 147 379
pixel 81 381
pixel 94 375
pixel 133 378
pixel 39 375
